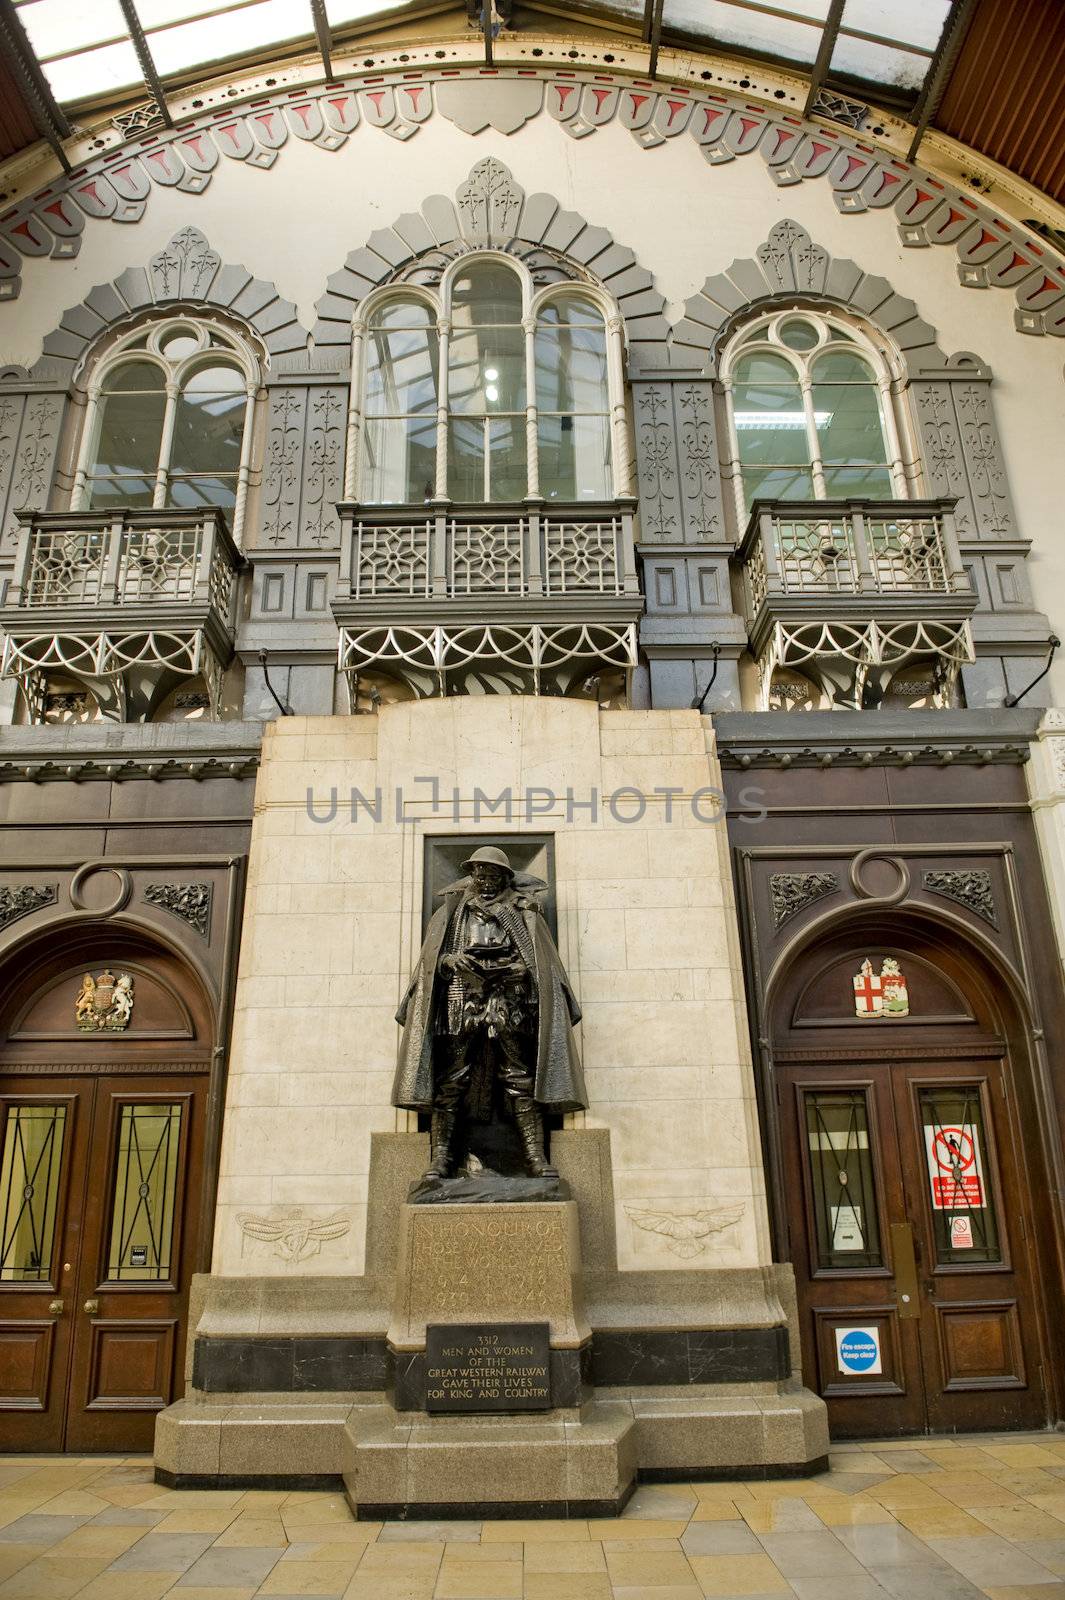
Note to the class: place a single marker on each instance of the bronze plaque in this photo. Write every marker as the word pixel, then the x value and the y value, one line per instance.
pixel 487 1366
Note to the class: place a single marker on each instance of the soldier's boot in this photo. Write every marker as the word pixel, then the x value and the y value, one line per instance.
pixel 441 1134
pixel 531 1128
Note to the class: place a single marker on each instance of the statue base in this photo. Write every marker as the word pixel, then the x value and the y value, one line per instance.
pixel 487 1188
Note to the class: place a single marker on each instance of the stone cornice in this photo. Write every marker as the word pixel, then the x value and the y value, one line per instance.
pixel 824 739
pixel 114 753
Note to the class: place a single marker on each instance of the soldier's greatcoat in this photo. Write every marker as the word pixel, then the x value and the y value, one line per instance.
pixel 559 1081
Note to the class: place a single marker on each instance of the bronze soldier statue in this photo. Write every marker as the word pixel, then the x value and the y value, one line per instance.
pixel 489 1006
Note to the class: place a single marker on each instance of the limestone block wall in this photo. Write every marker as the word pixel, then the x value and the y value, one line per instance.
pixel 647 930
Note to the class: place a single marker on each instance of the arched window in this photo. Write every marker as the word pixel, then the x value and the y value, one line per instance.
pixel 169 422
pixel 488 391
pixel 811 412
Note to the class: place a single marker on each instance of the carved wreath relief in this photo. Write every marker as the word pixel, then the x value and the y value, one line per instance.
pixel 294 1235
pixel 105 1003
pixel 881 996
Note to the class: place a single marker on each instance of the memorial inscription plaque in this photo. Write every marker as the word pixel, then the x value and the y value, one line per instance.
pixel 493 1366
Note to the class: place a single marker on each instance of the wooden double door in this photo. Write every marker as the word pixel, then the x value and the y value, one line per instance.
pixel 911 1241
pixel 98 1196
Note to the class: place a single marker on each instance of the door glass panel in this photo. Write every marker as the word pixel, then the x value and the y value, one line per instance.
pixel 964 1226
pixel 29 1191
pixel 846 1227
pixel 142 1208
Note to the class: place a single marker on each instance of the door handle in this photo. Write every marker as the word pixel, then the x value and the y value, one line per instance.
pixel 55 1308
pixel 92 1307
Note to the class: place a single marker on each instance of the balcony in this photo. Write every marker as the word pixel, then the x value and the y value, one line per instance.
pixel 127 604
pixel 448 600
pixel 845 593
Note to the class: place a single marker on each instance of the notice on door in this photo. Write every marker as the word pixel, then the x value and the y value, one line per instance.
pixel 858 1350
pixel 955 1167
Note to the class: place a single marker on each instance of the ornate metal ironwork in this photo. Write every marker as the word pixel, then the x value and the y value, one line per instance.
pixel 16 903
pixel 792 892
pixel 189 901
pixel 889 585
pixel 125 603
pixel 514 656
pixel 970 889
pixel 489 553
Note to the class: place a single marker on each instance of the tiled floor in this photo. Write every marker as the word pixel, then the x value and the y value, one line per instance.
pixel 917 1520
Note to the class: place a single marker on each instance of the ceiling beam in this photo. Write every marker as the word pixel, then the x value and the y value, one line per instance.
pixel 653 32
pixel 144 60
pixel 18 54
pixel 323 34
pixel 943 63
pixel 823 60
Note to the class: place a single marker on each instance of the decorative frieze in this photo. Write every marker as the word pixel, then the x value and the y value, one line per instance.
pixel 970 889
pixel 189 901
pixel 677 460
pixel 19 902
pixel 29 434
pixel 724 128
pixel 792 892
pixel 961 448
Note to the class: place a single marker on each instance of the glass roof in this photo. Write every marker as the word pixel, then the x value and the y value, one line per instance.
pixel 85 50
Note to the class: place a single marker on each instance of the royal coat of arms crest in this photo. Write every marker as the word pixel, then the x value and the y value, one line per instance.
pixel 104 1003
pixel 882 994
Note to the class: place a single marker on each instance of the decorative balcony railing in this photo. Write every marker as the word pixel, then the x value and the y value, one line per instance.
pixel 845 592
pixel 581 550
pixel 533 598
pixel 127 603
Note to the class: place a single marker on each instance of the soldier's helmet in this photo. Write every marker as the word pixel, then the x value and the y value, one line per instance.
pixel 489 856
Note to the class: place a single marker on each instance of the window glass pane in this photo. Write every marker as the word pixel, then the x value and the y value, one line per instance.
pixel 179 344
pixel 486 371
pixel 144 1193
pixel 208 431
pixel 763 367
pixel 134 375
pixel 465 459
pixel 220 378
pixel 770 424
pixel 29 1191
pixel 402 367
pixel 402 314
pixel 847 1231
pixel 964 1225
pixel 200 493
pixel 575 458
pixel 843 366
pixel 114 493
pixel 798 334
pixel 507 477
pixel 870 483
pixel 777 483
pixel 130 433
pixel 399 461
pixel 571 369
pixel 487 292
pixel 572 310
pixel 849 425
pixel 509 473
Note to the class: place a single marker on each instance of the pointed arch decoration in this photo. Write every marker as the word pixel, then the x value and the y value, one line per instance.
pixel 492 211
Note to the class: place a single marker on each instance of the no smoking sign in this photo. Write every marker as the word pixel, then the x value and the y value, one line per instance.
pixel 955 1168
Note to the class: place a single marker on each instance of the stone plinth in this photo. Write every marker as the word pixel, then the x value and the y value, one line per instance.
pixel 490 1264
